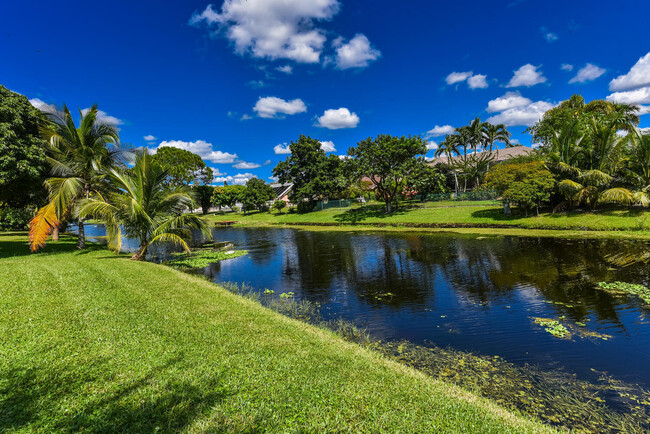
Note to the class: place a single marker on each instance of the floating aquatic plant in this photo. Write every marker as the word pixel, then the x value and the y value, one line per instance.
pixel 203 258
pixel 553 327
pixel 622 288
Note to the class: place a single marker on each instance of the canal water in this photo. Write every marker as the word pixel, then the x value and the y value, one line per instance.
pixel 472 293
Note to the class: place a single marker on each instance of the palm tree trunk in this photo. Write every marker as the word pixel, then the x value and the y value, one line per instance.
pixel 141 253
pixel 55 233
pixel 81 237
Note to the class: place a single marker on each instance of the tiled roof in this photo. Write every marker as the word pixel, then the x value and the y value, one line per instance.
pixel 503 154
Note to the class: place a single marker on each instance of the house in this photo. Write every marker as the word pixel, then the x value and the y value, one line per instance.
pixel 499 155
pixel 282 191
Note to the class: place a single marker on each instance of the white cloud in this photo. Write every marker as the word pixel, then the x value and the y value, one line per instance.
pixel 566 67
pixel 149 138
pixel 271 106
pixel 457 77
pixel 551 37
pixel 104 118
pixel 335 119
pixel 256 84
pixel 245 117
pixel 282 149
pixel 438 131
pixel 587 73
pixel 637 96
pixel 240 179
pixel 272 29
pixel 246 165
pixel 638 76
pixel 43 106
pixel 202 149
pixel 274 178
pixel 477 81
pixel 643 109
pixel 527 75
pixel 328 146
pixel 525 115
pixel 267 162
pixel 507 101
pixel 287 69
pixel 357 53
pixel 432 145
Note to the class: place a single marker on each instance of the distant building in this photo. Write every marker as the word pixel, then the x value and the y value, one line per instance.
pixel 282 191
pixel 499 155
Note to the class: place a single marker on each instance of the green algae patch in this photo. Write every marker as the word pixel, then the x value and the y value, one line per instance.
pixel 623 288
pixel 203 258
pixel 553 327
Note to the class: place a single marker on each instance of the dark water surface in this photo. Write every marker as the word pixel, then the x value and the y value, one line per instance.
pixel 469 292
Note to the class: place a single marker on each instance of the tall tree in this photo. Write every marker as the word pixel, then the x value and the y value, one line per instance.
pixel 387 161
pixel 257 194
pixel 203 195
pixel 314 174
pixel 183 167
pixel 228 195
pixel 22 151
pixel 145 206
pixel 80 158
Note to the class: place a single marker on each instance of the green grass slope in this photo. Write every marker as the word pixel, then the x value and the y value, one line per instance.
pixel 95 342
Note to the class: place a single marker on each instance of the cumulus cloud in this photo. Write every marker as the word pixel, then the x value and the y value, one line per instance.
pixel 432 145
pixel 527 75
pixel 566 67
pixel 267 162
pixel 524 115
pixel 43 106
pixel 272 29
pixel 287 69
pixel 637 96
pixel 104 118
pixel 357 53
pixel 246 165
pixel 202 149
pixel 587 73
pixel 239 179
pixel 282 149
pixel 149 138
pixel 507 101
pixel 457 77
pixel 477 81
pixel 438 131
pixel 271 107
pixel 328 146
pixel 638 76
pixel 335 119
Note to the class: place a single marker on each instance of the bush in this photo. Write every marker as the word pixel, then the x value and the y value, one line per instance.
pixel 15 218
pixel 279 205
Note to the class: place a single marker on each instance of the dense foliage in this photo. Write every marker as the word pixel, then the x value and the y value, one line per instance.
pixel 314 174
pixel 203 195
pixel 529 185
pixel 227 195
pixel 22 152
pixel 183 167
pixel 388 162
pixel 256 194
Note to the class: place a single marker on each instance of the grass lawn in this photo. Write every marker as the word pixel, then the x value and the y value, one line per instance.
pixel 629 222
pixel 95 342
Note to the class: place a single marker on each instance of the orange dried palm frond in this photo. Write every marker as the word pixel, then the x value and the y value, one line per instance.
pixel 41 226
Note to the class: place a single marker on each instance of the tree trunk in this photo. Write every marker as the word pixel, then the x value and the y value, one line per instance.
pixel 140 254
pixel 55 233
pixel 81 237
pixel 389 206
pixel 456 180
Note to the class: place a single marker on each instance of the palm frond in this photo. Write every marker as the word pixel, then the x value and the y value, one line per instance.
pixel 107 213
pixel 63 192
pixel 621 196
pixel 41 226
pixel 596 178
pixel 170 238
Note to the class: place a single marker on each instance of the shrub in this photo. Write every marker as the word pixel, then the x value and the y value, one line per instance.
pixel 15 218
pixel 279 205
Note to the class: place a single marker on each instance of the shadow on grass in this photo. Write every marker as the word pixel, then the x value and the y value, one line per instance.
pixel 358 215
pixel 13 244
pixel 156 401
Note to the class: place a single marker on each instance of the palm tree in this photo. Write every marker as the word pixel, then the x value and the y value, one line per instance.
pixel 493 134
pixel 79 157
pixel 448 147
pixel 144 207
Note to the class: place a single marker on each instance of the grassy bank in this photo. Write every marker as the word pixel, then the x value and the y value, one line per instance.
pixel 628 223
pixel 95 342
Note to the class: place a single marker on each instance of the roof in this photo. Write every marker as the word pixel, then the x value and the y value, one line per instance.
pixel 499 155
pixel 281 189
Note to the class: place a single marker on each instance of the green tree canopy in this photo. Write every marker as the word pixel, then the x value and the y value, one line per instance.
pixel 314 174
pixel 257 193
pixel 426 180
pixel 387 161
pixel 22 151
pixel 228 195
pixel 203 195
pixel 529 185
pixel 183 167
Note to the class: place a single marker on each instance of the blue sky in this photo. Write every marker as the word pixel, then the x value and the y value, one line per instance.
pixel 236 80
